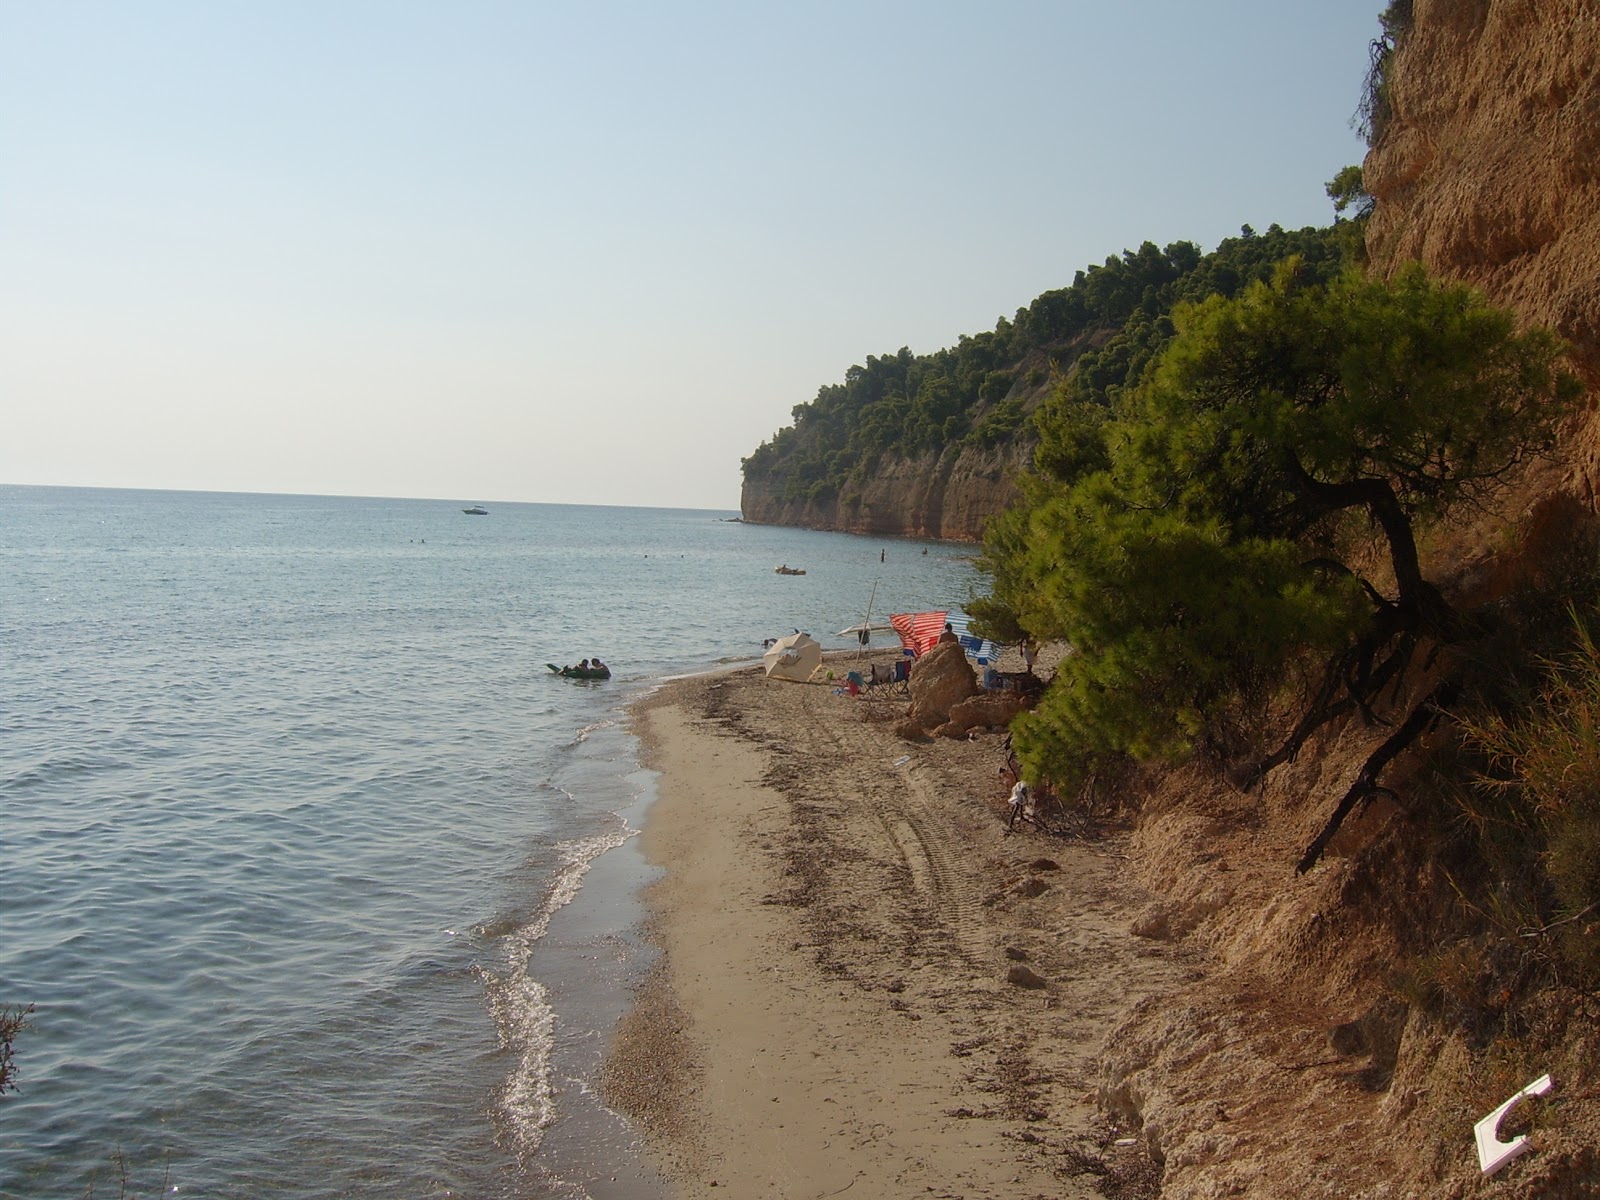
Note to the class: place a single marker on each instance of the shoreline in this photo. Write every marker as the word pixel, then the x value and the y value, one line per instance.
pixel 864 982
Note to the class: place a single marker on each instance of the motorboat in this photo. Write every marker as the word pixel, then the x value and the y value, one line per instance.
pixel 786 569
pixel 477 510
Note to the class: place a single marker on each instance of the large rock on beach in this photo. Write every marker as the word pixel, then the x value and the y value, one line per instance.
pixel 987 710
pixel 940 680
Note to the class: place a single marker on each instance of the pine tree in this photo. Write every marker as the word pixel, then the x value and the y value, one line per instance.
pixel 1210 547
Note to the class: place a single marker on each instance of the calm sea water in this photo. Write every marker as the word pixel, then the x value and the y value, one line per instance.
pixel 321 884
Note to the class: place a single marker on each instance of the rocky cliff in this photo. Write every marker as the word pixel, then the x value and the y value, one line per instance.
pixel 949 496
pixel 1488 168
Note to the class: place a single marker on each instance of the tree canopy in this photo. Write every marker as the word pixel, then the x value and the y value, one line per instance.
pixel 1099 333
pixel 1243 520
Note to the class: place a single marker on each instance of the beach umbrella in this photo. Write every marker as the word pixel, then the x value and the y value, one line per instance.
pixel 867 627
pixel 918 631
pixel 864 630
pixel 793 657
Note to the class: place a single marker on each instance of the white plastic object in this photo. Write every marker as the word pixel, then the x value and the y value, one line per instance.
pixel 1492 1152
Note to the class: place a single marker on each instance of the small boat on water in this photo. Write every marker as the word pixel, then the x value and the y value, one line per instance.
pixel 477 510
pixel 581 672
pixel 786 569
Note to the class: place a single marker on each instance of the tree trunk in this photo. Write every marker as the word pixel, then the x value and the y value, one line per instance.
pixel 1422 718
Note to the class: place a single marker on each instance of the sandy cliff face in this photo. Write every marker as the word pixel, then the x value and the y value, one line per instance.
pixel 1489 169
pixel 1292 1064
pixel 949 496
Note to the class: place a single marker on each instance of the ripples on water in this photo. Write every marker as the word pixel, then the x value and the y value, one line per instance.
pixel 294 817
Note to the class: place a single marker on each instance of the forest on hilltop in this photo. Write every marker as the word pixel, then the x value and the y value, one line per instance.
pixel 1083 342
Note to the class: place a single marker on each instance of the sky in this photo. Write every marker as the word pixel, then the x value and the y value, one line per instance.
pixel 587 253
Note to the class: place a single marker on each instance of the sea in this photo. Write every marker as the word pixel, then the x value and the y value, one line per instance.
pixel 318 881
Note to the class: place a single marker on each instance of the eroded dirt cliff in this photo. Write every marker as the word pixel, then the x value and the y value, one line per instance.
pixel 1486 170
pixel 1292 1062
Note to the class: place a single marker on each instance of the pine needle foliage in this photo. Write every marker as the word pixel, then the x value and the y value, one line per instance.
pixel 1206 543
pixel 1099 332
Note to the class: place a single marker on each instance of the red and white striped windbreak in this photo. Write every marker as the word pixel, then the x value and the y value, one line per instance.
pixel 918 631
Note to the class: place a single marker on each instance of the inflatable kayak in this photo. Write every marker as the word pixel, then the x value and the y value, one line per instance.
pixel 581 672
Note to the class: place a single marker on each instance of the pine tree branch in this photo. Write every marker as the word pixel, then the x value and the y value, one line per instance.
pixel 1365 785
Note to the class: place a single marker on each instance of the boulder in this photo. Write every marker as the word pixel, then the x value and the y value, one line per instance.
pixel 940 680
pixel 986 710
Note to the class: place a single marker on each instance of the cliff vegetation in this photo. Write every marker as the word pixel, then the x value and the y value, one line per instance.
pixel 1316 515
pixel 1329 572
pixel 932 444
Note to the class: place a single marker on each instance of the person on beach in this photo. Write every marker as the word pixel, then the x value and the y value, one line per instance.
pixel 1029 654
pixel 949 634
pixel 1018 802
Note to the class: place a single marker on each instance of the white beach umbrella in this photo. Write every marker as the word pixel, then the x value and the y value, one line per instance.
pixel 864 631
pixel 793 657
pixel 856 631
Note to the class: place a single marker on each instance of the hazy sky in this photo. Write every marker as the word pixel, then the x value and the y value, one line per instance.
pixel 589 253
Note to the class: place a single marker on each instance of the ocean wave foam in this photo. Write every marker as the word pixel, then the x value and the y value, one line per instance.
pixel 522 1011
pixel 593 727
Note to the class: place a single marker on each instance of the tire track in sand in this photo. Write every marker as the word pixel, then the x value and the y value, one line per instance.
pixel 909 813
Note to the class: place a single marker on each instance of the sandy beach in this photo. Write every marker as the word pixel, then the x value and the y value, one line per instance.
pixel 868 986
